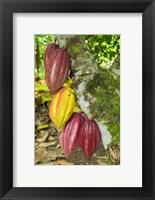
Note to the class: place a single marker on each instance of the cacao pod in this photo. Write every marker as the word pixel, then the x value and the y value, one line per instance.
pixel 69 138
pixel 62 106
pixel 89 138
pixel 49 51
pixel 57 70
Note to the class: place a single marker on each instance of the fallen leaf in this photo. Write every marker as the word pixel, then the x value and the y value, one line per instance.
pixel 112 160
pixel 53 131
pixel 60 153
pixel 35 144
pixel 63 162
pixel 44 126
pixel 101 162
pixel 40 155
pixel 42 136
pixel 37 122
pixel 51 138
pixel 51 155
pixel 116 151
pixel 46 144
pixel 112 154
pixel 42 133
pixel 47 160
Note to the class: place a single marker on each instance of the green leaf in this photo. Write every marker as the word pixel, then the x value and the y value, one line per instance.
pixel 40 87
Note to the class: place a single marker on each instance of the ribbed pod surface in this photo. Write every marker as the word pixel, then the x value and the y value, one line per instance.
pixel 89 138
pixel 62 106
pixel 57 69
pixel 69 138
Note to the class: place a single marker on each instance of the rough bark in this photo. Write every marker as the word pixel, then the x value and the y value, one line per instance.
pixel 85 70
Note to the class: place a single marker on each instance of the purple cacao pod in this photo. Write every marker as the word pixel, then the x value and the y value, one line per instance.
pixel 89 138
pixel 57 70
pixel 49 51
pixel 69 138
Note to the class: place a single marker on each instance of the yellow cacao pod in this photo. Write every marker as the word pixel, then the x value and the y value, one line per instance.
pixel 62 106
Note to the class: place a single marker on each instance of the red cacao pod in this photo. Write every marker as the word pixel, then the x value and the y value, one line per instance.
pixel 49 51
pixel 89 138
pixel 69 138
pixel 57 70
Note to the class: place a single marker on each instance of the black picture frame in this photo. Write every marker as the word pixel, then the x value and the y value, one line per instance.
pixel 7 8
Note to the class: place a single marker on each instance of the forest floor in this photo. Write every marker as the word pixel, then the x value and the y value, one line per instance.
pixel 48 149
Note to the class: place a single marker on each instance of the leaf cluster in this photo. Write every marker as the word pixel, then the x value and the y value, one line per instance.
pixel 105 48
pixel 41 42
